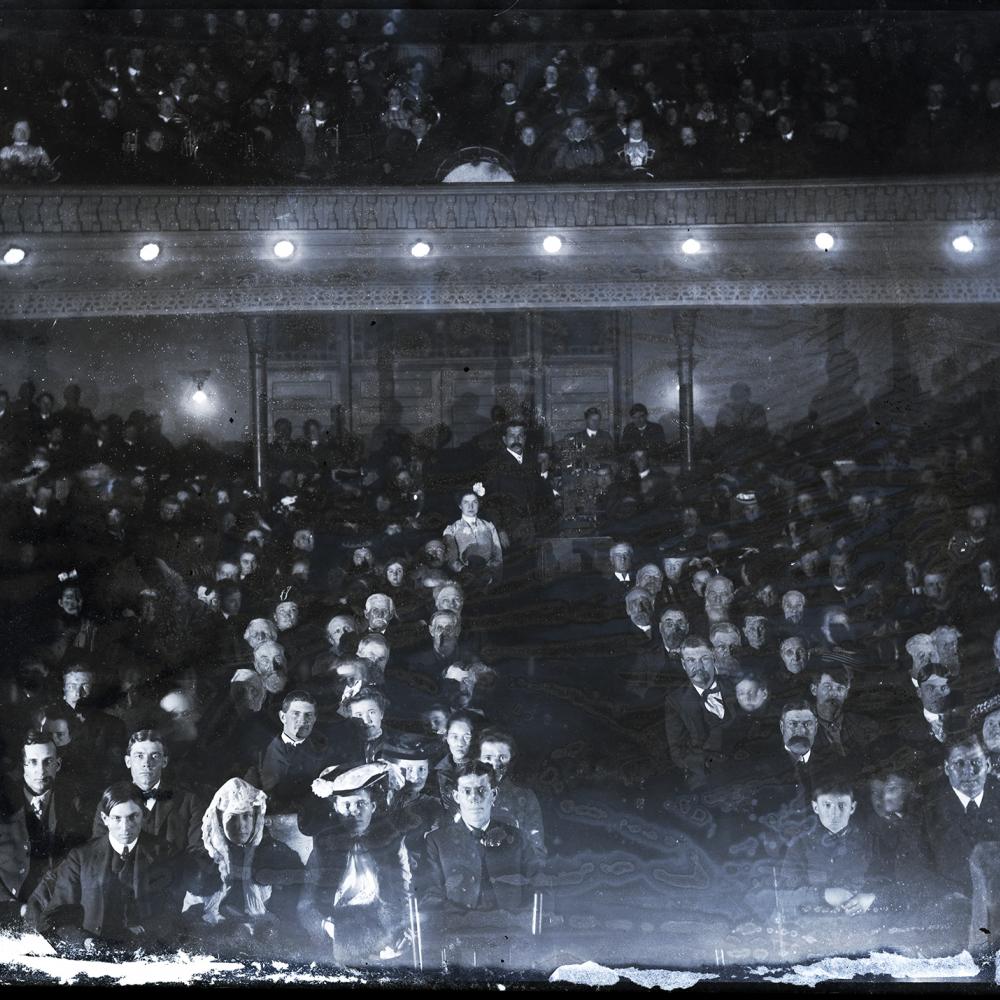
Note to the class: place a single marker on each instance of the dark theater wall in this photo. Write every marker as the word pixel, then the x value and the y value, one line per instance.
pixel 782 355
pixel 123 364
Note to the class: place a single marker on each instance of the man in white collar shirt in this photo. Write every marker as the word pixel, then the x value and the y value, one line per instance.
pixel 700 715
pixel 294 757
pixel 591 446
pixel 961 810
pixel 172 813
pixel 119 889
pixel 621 558
pixel 39 821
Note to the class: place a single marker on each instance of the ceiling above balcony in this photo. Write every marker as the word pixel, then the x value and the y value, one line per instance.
pixel 621 247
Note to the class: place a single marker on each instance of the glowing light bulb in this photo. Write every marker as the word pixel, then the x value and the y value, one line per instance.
pixel 691 246
pixel 824 241
pixel 963 244
pixel 13 256
pixel 420 249
pixel 149 251
pixel 284 249
pixel 199 397
pixel 552 244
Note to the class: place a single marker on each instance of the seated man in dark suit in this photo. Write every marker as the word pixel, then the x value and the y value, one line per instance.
pixel 121 889
pixel 293 758
pixel 40 820
pixel 481 872
pixel 901 854
pixel 961 809
pixel 103 733
pixel 841 731
pixel 172 813
pixel 700 716
pixel 642 434
pixel 591 446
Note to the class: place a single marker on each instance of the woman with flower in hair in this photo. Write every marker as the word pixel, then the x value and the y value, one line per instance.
pixel 471 541
pixel 247 888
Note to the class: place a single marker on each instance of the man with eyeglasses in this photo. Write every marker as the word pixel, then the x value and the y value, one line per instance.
pixel 961 810
pixel 480 872
pixel 700 716
pixel 172 813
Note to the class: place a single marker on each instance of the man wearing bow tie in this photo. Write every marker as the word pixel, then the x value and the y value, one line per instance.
pixel 171 813
pixel 700 716
pixel 39 822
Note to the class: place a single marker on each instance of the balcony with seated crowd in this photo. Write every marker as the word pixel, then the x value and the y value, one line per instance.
pixel 341 97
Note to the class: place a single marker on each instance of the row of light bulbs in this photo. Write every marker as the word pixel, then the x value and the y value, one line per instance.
pixel 284 249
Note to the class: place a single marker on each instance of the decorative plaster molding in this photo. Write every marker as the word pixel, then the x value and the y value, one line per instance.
pixel 57 210
pixel 52 304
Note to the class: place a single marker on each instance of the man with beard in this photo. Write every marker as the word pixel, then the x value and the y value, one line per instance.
pixel 356 881
pixel 719 595
pixel 380 614
pixel 172 814
pixel 700 715
pixel 335 630
pixel 375 651
pixel 293 757
pixel 793 610
pixel 725 640
pixel 40 820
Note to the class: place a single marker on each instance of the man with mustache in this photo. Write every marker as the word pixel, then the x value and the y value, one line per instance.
pixel 515 498
pixel 674 628
pixel 700 717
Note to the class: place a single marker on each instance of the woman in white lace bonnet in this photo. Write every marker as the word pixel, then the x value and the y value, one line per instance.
pixel 252 883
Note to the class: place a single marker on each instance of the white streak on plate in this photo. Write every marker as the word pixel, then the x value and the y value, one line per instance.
pixel 593 974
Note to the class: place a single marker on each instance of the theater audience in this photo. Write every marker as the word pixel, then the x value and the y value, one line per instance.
pixel 758 691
